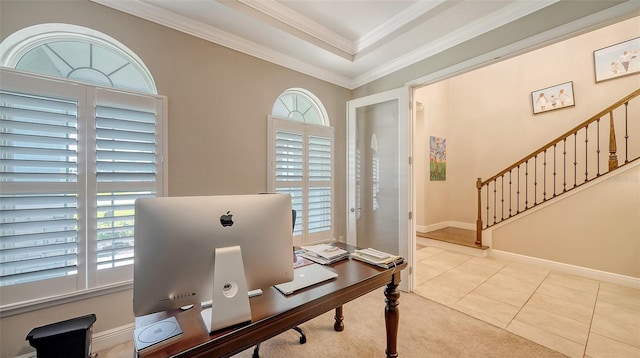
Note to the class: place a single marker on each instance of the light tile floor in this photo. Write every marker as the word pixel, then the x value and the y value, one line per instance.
pixel 575 316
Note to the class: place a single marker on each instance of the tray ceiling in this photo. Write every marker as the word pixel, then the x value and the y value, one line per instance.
pixel 354 42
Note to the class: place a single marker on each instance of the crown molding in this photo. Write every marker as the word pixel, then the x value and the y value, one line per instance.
pixel 295 20
pixel 620 12
pixel 395 23
pixel 502 17
pixel 186 25
pixel 148 11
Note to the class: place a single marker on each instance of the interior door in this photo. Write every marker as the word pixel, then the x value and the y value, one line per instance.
pixel 380 190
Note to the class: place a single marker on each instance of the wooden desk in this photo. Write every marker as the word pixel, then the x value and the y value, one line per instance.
pixel 274 313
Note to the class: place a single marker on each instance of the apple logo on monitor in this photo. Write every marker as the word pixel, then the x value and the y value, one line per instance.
pixel 226 219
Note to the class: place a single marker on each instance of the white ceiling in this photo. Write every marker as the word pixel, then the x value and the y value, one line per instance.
pixel 351 42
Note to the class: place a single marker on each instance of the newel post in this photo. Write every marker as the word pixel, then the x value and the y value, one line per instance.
pixel 613 148
pixel 479 220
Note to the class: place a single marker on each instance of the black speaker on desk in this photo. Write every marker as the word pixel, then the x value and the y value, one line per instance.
pixel 69 339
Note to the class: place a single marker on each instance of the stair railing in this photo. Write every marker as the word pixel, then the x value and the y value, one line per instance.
pixel 569 161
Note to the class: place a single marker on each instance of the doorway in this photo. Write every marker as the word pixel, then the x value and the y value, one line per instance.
pixel 380 188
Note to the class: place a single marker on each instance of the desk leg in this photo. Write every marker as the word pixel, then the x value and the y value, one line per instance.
pixel 338 326
pixel 392 315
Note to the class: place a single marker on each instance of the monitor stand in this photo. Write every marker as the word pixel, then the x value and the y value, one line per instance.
pixel 230 304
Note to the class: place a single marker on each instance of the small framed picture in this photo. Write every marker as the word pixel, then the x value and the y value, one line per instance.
pixel 617 60
pixel 555 97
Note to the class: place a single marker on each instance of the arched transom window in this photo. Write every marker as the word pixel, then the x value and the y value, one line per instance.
pixel 300 105
pixel 76 53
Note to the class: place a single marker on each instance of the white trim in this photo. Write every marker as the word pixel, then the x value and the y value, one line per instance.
pixel 186 25
pixel 445 224
pixel 295 20
pixel 506 15
pixel 585 272
pixel 38 304
pixel 112 337
pixel 461 225
pixel 299 22
pixel 394 24
pixel 150 12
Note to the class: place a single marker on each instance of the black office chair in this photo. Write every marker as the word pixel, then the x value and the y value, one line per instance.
pixel 303 336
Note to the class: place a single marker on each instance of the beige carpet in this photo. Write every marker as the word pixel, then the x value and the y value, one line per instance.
pixel 427 329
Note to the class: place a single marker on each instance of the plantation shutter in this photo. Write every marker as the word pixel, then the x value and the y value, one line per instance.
pixel 320 174
pixel 126 169
pixel 74 158
pixel 40 190
pixel 289 171
pixel 302 166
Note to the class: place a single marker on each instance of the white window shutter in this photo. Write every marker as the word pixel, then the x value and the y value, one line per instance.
pixel 39 197
pixel 320 149
pixel 127 152
pixel 302 166
pixel 73 160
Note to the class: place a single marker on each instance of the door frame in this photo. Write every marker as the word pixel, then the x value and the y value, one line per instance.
pixel 406 204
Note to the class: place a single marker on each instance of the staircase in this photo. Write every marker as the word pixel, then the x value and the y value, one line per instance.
pixel 600 145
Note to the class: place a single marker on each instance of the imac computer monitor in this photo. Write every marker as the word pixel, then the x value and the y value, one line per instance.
pixel 178 240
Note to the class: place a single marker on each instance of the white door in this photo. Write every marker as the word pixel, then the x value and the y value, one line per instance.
pixel 379 189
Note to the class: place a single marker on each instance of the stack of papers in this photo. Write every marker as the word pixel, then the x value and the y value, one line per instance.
pixel 378 258
pixel 324 254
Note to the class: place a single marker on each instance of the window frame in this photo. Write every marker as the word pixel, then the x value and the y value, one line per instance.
pixel 89 281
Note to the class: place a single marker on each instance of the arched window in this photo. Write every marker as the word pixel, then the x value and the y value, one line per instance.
pixel 77 151
pixel 76 53
pixel 300 105
pixel 301 162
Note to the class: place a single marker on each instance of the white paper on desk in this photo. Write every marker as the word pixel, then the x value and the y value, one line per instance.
pixel 325 251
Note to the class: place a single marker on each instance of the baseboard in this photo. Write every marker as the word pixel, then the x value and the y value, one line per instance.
pixel 585 272
pixel 432 227
pixel 112 337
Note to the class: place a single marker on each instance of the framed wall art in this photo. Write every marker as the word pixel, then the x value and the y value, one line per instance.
pixel 437 159
pixel 551 98
pixel 617 60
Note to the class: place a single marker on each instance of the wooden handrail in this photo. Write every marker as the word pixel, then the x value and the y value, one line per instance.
pixel 565 135
pixel 532 160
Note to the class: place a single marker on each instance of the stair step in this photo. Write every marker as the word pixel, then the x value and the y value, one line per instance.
pixel 454 235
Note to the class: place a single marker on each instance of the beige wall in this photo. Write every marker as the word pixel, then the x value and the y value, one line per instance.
pixel 218 104
pixel 597 228
pixel 432 197
pixel 486 116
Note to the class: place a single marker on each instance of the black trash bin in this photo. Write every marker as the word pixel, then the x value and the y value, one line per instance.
pixel 69 339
